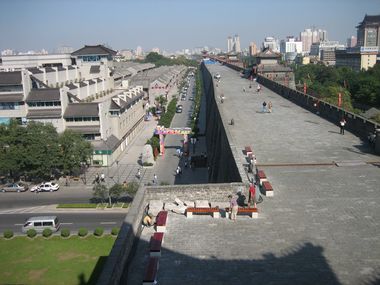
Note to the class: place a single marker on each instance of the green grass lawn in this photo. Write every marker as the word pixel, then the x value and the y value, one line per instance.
pixel 54 260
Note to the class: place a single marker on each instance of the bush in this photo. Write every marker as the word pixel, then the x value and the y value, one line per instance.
pixel 115 231
pixel 147 164
pixel 31 233
pixel 82 232
pixel 47 232
pixel 98 232
pixel 8 234
pixel 65 233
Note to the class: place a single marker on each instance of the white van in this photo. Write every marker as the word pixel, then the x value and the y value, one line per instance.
pixel 41 223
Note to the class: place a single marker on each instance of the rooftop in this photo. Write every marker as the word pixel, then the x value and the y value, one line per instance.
pixel 82 110
pixel 10 78
pixel 94 50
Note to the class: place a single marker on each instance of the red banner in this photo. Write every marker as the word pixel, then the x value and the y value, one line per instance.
pixel 339 99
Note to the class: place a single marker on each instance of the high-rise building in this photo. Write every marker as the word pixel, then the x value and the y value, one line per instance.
pixel 139 51
pixel 310 36
pixel 230 44
pixel 8 52
pixel 368 33
pixel 237 48
pixel 252 49
pixel 290 45
pixel 271 43
pixel 156 49
pixel 351 42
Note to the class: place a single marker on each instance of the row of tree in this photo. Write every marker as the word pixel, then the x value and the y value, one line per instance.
pixel 36 151
pixel 357 88
pixel 160 60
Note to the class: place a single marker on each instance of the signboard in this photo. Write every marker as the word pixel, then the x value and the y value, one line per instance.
pixel 161 130
pixel 107 152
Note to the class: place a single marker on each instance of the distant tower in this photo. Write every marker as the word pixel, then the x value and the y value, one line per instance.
pixel 351 42
pixel 139 51
pixel 252 49
pixel 229 44
pixel 237 48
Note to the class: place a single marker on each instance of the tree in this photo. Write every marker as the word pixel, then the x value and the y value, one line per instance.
pixel 74 151
pixel 161 100
pixel 116 191
pixel 132 188
pixel 101 192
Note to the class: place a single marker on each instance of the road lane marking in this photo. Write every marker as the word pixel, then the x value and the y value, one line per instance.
pixel 66 223
pixel 19 224
pixel 107 223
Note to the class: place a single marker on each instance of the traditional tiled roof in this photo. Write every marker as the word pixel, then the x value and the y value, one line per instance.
pixel 10 78
pixel 35 70
pixel 82 84
pixel 8 98
pixel 268 53
pixel 49 69
pixel 111 143
pixel 44 113
pixel 70 67
pixel 46 94
pixel 370 19
pixel 94 50
pixel 82 110
pixel 71 86
pixel 85 129
pixel 60 68
pixel 91 82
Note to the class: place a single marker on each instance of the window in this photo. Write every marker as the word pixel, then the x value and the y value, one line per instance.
pixel 37 224
pixel 47 224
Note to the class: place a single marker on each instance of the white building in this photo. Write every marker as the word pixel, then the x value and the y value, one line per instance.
pixel 230 44
pixel 272 44
pixel 310 36
pixel 290 45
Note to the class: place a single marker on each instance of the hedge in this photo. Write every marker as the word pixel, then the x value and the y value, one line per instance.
pixel 98 232
pixel 65 233
pixel 115 231
pixel 82 232
pixel 47 232
pixel 8 234
pixel 31 233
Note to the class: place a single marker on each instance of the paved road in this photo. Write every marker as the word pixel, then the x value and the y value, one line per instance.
pixel 167 165
pixel 74 194
pixel 73 221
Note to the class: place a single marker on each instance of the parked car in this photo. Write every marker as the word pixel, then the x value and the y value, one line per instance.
pixel 14 187
pixel 45 187
pixel 179 109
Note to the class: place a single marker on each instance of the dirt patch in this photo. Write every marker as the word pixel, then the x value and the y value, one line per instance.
pixel 72 255
pixel 36 274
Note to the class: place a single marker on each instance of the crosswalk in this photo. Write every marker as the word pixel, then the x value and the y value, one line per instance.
pixel 26 210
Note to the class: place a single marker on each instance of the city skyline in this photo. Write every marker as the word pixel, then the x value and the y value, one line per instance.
pixel 170 25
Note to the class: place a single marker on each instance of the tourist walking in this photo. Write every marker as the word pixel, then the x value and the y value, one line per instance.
pixel 138 174
pixel 270 107
pixel 102 177
pixel 233 207
pixel 264 109
pixel 342 124
pixel 155 179
pixel 252 195
pixel 258 88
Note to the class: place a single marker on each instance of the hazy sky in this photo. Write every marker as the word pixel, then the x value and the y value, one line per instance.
pixel 171 24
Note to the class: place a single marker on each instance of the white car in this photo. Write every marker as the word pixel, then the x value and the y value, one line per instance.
pixel 45 187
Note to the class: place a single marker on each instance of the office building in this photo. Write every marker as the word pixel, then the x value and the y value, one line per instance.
pixel 368 32
pixel 310 36
pixel 351 42
pixel 272 44
pixel 252 49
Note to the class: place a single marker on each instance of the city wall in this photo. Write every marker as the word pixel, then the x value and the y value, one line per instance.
pixel 221 153
pixel 116 268
pixel 356 124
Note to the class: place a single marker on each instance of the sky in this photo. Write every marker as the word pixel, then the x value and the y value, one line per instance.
pixel 171 24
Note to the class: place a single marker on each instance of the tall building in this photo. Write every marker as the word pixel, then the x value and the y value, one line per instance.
pixel 290 45
pixel 310 36
pixel 271 43
pixel 351 42
pixel 230 44
pixel 368 32
pixel 139 51
pixel 8 52
pixel 252 49
pixel 237 48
